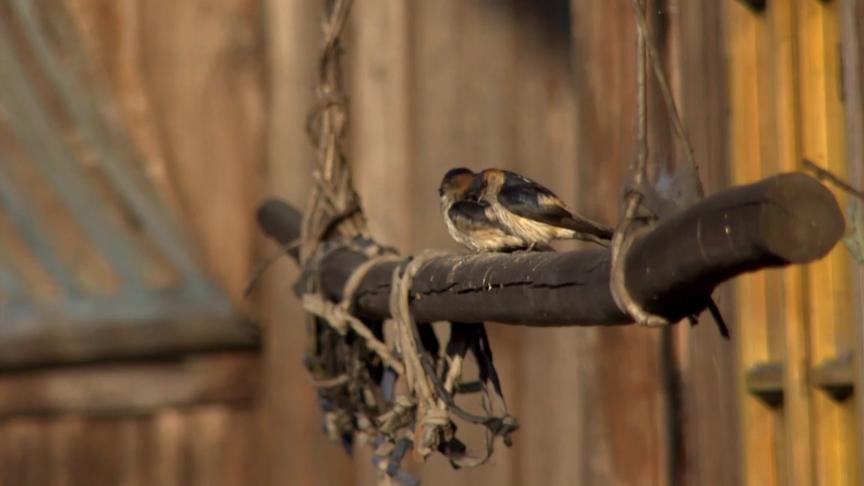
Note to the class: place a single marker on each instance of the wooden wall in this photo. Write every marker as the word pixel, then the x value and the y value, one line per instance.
pixel 215 93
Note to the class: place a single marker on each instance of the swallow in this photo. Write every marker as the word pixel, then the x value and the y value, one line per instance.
pixel 532 212
pixel 472 222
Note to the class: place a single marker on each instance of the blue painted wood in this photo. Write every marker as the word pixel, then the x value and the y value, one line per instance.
pixel 54 158
pixel 14 202
pixel 136 319
pixel 11 283
pixel 117 158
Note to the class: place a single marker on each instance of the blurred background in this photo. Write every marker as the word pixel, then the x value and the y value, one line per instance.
pixel 137 138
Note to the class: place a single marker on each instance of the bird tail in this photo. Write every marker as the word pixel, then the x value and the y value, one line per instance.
pixel 587 230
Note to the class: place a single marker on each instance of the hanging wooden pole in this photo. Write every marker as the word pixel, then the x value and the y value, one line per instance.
pixel 783 220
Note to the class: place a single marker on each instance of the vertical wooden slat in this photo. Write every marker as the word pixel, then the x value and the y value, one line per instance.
pixel 64 435
pixel 461 95
pixel 113 36
pixel 708 373
pixel 381 123
pixel 296 449
pixel 241 461
pixel 207 433
pixel 636 435
pixel 781 51
pixel 24 454
pixel 800 103
pixel 558 364
pixel 167 431
pixel 851 14
pixel 202 66
pixel 823 141
pixel 758 428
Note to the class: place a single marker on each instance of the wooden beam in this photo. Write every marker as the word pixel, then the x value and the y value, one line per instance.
pixel 55 336
pixel 785 219
pixel 138 387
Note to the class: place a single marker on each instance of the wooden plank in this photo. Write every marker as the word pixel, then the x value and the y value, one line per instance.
pixel 707 372
pixel 851 16
pixel 830 313
pixel 106 451
pixel 113 35
pixel 207 429
pixel 201 67
pixel 462 86
pixel 130 388
pixel 758 429
pixel 381 123
pixel 289 428
pixel 781 88
pixel 629 444
pixel 25 454
pixel 168 430
pixel 242 461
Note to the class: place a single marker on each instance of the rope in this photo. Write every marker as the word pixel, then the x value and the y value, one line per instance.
pixel 627 231
pixel 621 243
pixel 432 414
pixel 359 396
pixel 339 316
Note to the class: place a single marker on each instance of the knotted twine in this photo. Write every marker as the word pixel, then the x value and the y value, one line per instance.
pixel 421 414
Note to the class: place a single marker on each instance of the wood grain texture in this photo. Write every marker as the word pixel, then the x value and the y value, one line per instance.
pixel 851 16
pixel 381 124
pixel 461 92
pixel 707 363
pixel 782 110
pixel 131 388
pixel 759 429
pixel 632 445
pixel 294 448
pixel 190 85
pixel 176 447
pixel 829 310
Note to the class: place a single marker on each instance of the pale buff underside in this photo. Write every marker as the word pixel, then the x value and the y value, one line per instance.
pixel 529 230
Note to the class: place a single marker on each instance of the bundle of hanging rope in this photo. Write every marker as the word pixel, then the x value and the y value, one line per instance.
pixel 389 384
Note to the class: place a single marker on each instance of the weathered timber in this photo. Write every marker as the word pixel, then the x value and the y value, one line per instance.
pixel 671 271
pixel 134 387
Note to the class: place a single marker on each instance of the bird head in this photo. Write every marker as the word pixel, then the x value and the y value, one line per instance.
pixel 455 185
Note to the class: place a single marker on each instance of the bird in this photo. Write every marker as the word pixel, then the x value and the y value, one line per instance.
pixel 472 222
pixel 532 212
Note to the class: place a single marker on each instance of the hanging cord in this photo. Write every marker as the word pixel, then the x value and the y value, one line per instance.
pixel 332 196
pixel 635 225
pixel 434 396
pixel 432 420
pixel 353 368
pixel 339 317
pixel 628 230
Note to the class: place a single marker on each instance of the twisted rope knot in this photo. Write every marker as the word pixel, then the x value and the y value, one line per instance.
pixel 436 417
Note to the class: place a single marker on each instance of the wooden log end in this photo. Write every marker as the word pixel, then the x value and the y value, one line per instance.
pixel 279 220
pixel 801 220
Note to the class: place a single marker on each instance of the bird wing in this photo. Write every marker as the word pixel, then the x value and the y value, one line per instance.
pixel 529 199
pixel 471 215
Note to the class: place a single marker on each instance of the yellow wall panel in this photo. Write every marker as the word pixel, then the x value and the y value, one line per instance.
pixel 758 425
pixel 829 290
pixel 785 95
